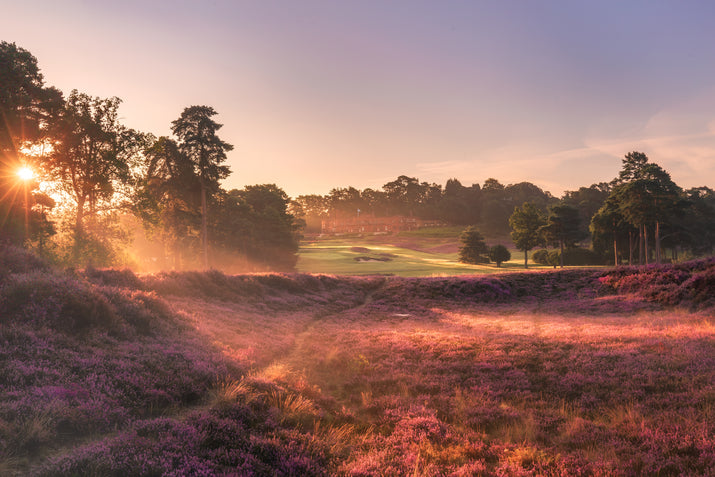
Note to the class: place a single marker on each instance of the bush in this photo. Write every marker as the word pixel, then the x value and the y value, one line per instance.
pixel 18 260
pixel 541 257
pixel 499 254
pixel 581 256
pixel 572 257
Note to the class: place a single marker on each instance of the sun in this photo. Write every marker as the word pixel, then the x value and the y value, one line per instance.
pixel 25 173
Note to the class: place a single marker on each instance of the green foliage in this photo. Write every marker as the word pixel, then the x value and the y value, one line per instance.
pixel 579 256
pixel 199 142
pixel 576 256
pixel 256 226
pixel 473 249
pixel 92 157
pixel 541 257
pixel 196 132
pixel 526 223
pixel 499 253
pixel 563 226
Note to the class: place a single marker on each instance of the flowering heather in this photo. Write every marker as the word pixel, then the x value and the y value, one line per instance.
pixel 575 372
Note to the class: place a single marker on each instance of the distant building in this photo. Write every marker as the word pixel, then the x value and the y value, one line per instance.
pixel 367 224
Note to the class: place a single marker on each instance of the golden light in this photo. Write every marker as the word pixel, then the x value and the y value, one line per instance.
pixel 25 173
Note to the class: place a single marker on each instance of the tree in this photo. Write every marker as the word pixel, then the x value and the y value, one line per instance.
pixel 495 209
pixel 26 103
pixel 473 249
pixel 460 205
pixel 609 229
pixel 526 222
pixel 92 157
pixel 198 140
pixel 587 200
pixel 25 108
pixel 695 228
pixel 562 228
pixel 649 198
pixel 406 194
pixel 313 209
pixel 345 202
pixel 255 224
pixel 167 199
pixel 499 253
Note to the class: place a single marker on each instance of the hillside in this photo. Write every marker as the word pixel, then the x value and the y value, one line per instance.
pixel 542 373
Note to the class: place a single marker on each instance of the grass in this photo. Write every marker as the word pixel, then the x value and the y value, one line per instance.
pixel 411 254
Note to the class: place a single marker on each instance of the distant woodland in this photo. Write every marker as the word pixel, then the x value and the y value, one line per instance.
pixel 80 188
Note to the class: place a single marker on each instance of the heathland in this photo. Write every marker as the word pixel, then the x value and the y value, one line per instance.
pixel 565 372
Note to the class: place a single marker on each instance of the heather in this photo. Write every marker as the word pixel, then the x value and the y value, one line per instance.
pixel 573 372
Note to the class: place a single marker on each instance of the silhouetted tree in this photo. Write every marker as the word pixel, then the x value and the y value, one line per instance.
pixel 26 106
pixel 646 197
pixel 610 230
pixel 695 227
pixel 526 223
pixel 587 200
pixel 167 198
pixel 92 156
pixel 255 224
pixel 196 131
pixel 562 228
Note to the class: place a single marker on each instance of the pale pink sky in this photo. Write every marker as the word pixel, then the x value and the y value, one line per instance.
pixel 322 94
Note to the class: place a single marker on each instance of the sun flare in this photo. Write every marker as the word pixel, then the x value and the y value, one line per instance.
pixel 25 173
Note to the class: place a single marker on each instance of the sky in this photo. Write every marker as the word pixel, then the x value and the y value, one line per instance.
pixel 316 95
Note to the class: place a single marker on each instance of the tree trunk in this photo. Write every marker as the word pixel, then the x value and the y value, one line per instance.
pixel 78 230
pixel 561 256
pixel 645 243
pixel 615 245
pixel 657 242
pixel 630 247
pixel 204 228
pixel 526 258
pixel 640 245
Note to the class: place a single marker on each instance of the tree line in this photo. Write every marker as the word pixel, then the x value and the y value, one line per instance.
pixel 634 219
pixel 102 179
pixel 488 205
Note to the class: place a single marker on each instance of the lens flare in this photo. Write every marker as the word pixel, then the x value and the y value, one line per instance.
pixel 25 173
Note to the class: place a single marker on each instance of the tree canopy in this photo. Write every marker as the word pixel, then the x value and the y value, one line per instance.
pixel 526 223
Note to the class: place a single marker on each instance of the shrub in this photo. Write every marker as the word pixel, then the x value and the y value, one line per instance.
pixel 499 253
pixel 541 257
pixel 18 260
pixel 581 256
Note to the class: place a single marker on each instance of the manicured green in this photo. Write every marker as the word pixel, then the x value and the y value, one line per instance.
pixel 347 256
